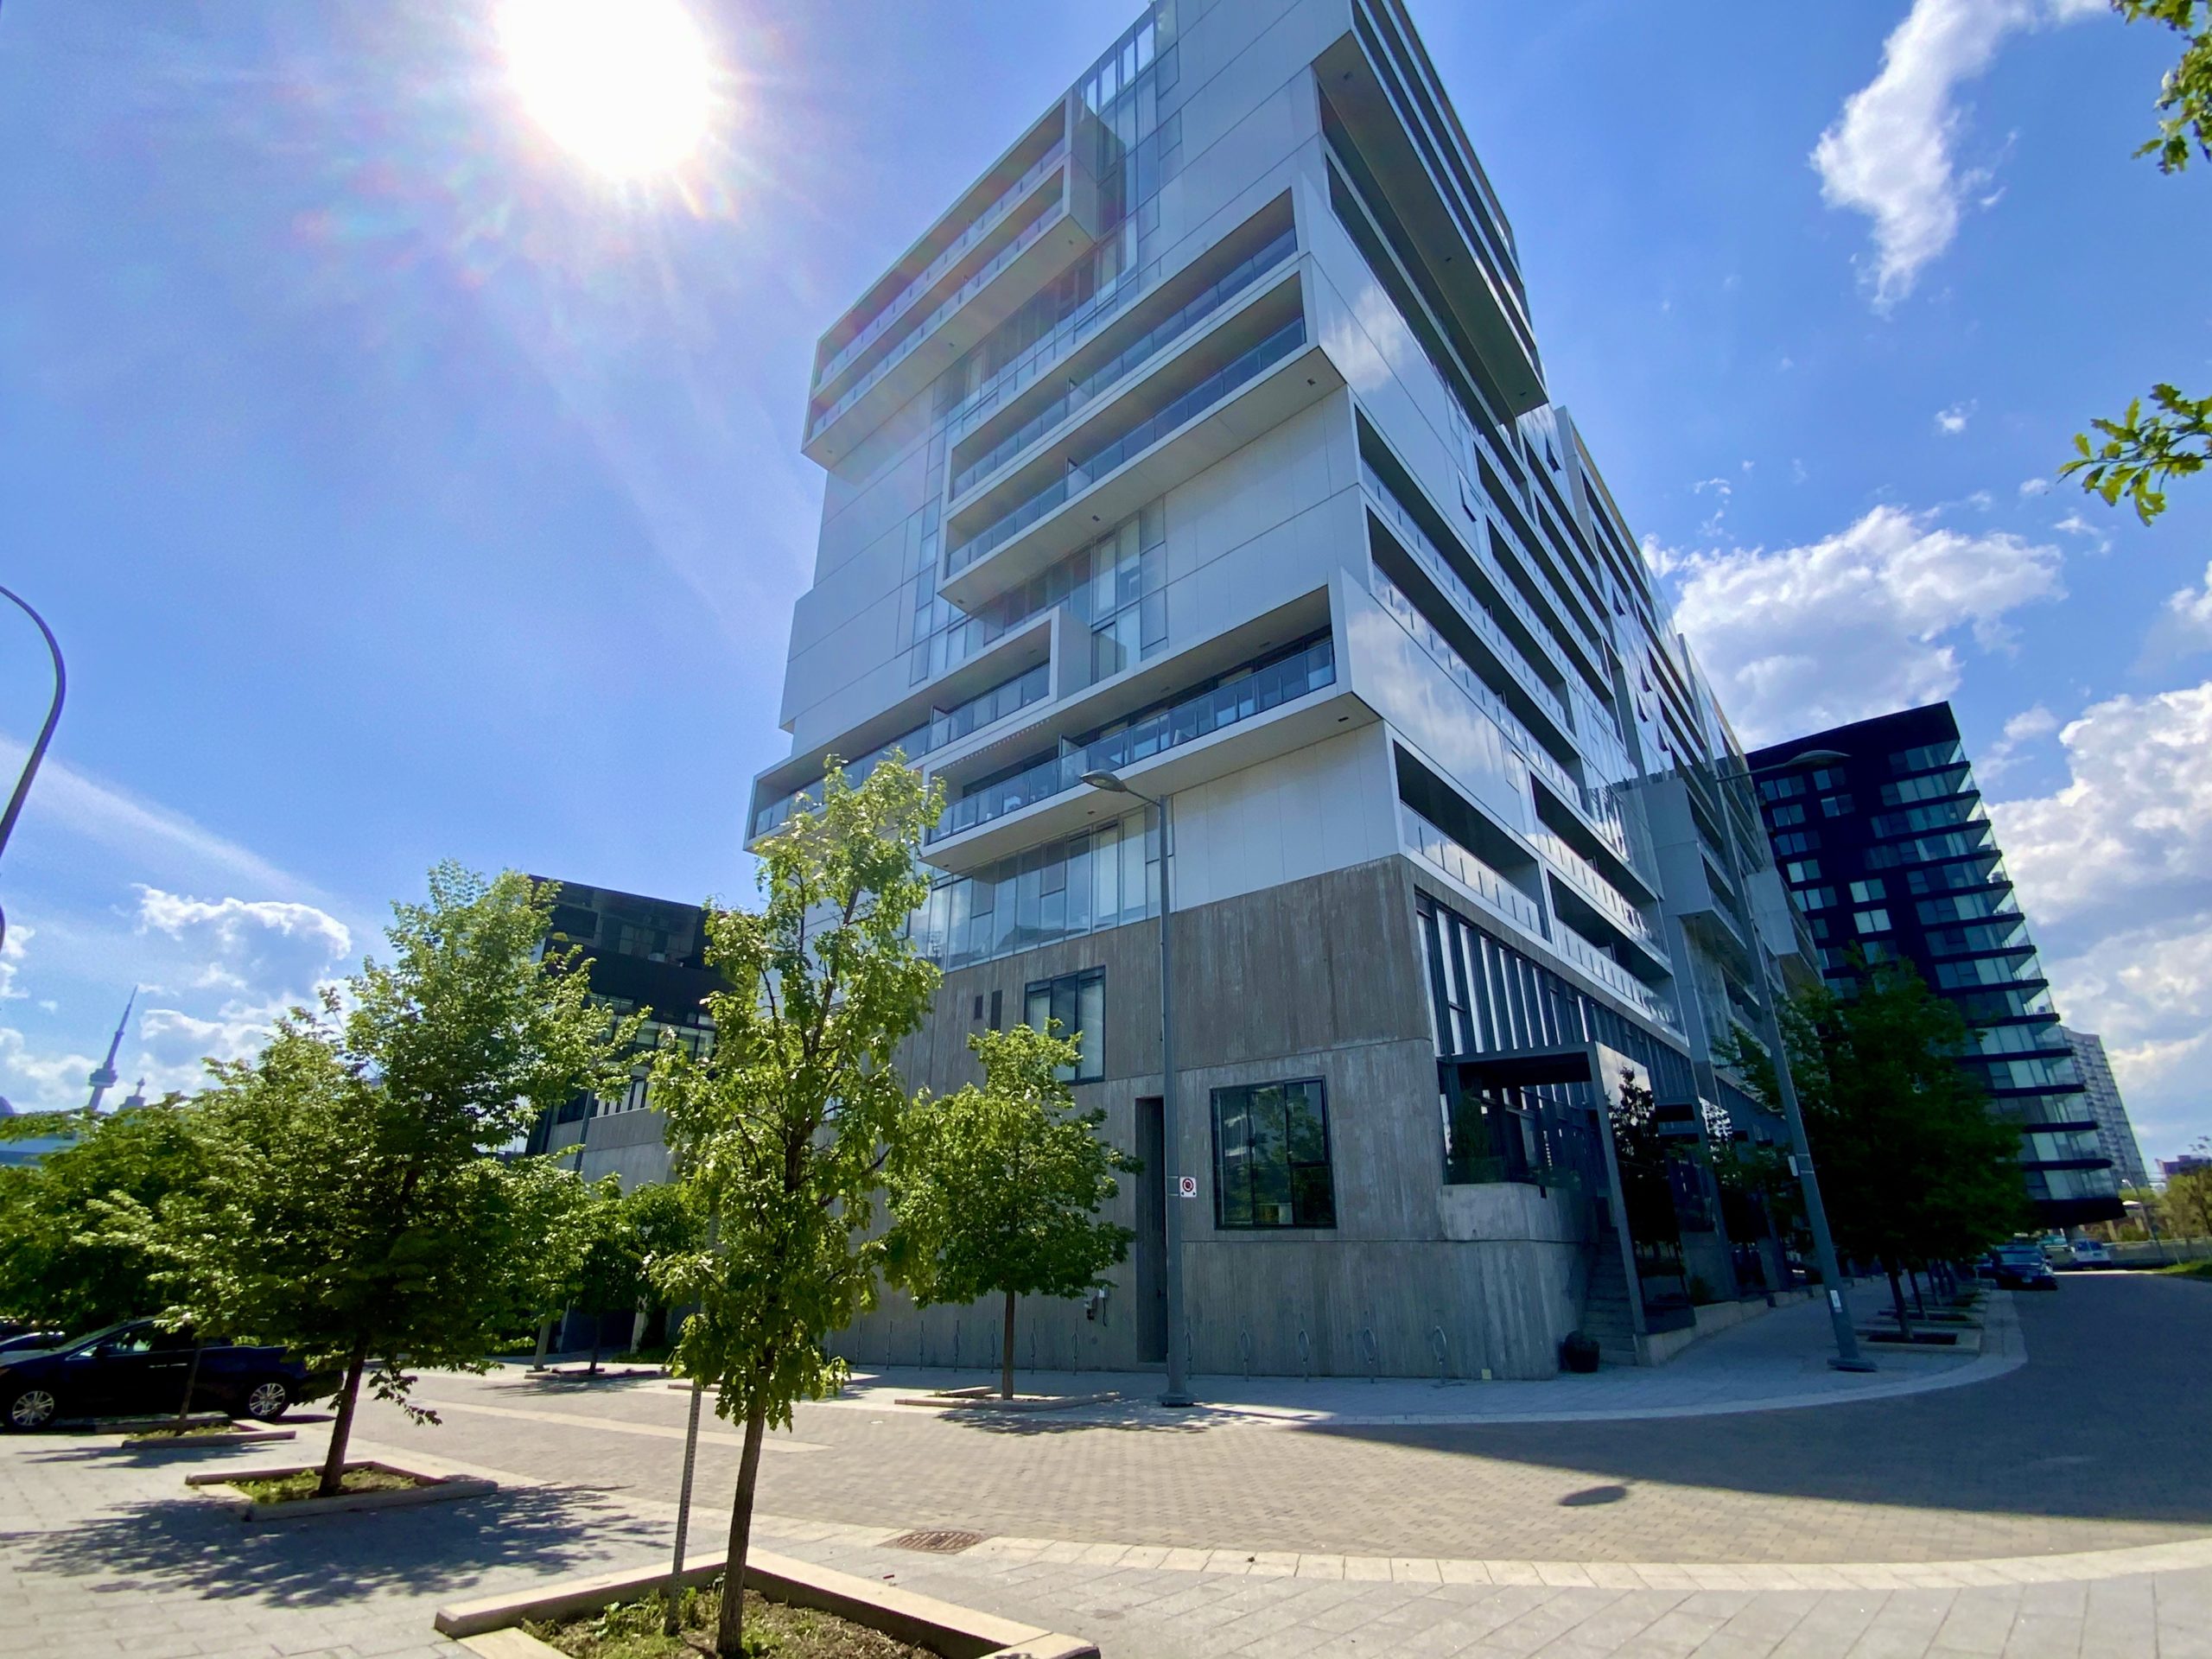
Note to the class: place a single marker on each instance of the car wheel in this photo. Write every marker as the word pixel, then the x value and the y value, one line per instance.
pixel 269 1399
pixel 32 1408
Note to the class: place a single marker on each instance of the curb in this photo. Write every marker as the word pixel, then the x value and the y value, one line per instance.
pixel 957 1632
pixel 435 1489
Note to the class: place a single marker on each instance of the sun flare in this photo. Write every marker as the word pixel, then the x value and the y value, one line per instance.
pixel 621 84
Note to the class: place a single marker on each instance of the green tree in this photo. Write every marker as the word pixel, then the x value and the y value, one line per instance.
pixel 2139 455
pixel 2189 1203
pixel 610 1240
pixel 781 1130
pixel 62 1263
pixel 1913 1166
pixel 997 1189
pixel 356 1206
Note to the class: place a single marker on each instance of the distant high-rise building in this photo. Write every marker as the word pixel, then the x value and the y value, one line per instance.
pixel 2188 1164
pixel 644 953
pixel 2115 1134
pixel 1881 835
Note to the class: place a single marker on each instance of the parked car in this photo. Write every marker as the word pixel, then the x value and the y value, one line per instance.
pixel 2090 1253
pixel 2020 1267
pixel 136 1369
pixel 16 1337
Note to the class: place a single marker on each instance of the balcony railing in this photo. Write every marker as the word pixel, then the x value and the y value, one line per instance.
pixel 1140 351
pixel 1269 684
pixel 1590 882
pixel 1470 872
pixel 947 726
pixel 1455 667
pixel 1614 977
pixel 1470 605
pixel 977 229
pixel 1246 366
pixel 960 297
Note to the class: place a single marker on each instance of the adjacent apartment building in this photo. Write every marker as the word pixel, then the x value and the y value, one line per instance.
pixel 2115 1134
pixel 642 953
pixel 1881 836
pixel 1204 440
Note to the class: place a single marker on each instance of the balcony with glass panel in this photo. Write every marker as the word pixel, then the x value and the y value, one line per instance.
pixel 1283 699
pixel 1245 372
pixel 1582 895
pixel 1133 340
pixel 1025 224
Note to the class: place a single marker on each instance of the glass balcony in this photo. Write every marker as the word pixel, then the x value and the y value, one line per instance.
pixel 982 227
pixel 1238 696
pixel 1586 881
pixel 946 725
pixel 1469 871
pixel 1138 352
pixel 1470 606
pixel 959 297
pixel 1223 383
pixel 1615 978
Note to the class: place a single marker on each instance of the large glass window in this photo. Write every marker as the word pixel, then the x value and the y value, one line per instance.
pixel 1078 1002
pixel 1271 1156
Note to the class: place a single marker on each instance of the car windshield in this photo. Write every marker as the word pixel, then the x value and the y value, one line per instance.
pixel 106 1333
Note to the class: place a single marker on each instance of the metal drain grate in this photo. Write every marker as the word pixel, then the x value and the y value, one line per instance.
pixel 940 1541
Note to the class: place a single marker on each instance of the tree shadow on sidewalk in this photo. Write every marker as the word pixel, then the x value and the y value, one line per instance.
pixel 180 1544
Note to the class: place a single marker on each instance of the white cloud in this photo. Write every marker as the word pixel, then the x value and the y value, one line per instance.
pixel 39 1082
pixel 2034 486
pixel 1953 421
pixel 2114 873
pixel 1890 154
pixel 291 945
pixel 12 950
pixel 2074 524
pixel 1861 622
pixel 2133 824
pixel 2029 726
pixel 2183 627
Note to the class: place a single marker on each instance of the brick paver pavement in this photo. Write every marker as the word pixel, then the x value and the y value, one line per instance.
pixel 1201 1541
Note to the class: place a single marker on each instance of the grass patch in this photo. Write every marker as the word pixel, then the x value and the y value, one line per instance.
pixel 184 1433
pixel 292 1488
pixel 2189 1270
pixel 772 1630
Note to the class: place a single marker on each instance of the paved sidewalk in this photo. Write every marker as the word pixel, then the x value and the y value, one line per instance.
pixel 1775 1361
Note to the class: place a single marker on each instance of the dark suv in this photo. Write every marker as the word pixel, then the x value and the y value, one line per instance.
pixel 136 1369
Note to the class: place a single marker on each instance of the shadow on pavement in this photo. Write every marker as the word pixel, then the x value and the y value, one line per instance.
pixel 2106 1421
pixel 189 1544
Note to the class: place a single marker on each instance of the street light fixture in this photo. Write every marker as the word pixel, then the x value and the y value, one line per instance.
pixel 1177 1391
pixel 44 733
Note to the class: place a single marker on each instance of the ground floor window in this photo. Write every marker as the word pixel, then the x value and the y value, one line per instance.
pixel 1078 1002
pixel 1271 1156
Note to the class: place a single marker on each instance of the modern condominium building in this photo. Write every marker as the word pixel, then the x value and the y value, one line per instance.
pixel 1204 440
pixel 2115 1134
pixel 1881 832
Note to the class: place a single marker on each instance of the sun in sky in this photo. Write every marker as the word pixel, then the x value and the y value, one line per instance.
pixel 623 85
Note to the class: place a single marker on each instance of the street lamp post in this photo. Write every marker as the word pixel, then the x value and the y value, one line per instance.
pixel 1177 1391
pixel 45 733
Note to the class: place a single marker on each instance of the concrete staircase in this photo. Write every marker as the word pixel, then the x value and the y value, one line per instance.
pixel 1605 1314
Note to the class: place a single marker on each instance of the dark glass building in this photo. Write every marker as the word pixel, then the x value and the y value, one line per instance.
pixel 642 953
pixel 1880 833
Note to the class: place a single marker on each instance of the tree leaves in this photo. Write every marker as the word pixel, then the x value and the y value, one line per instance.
pixel 997 1189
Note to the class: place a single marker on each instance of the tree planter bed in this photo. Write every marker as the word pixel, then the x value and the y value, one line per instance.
pixel 162 1439
pixel 426 1488
pixel 143 1425
pixel 987 1399
pixel 1917 1339
pixel 493 1626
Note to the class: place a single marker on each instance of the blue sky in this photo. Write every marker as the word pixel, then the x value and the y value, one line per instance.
pixel 401 490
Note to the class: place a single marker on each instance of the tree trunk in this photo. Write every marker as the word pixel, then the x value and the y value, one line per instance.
pixel 1919 1303
pixel 1897 1298
pixel 190 1382
pixel 544 1343
pixel 729 1634
pixel 1005 1352
pixel 596 1321
pixel 333 1466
